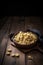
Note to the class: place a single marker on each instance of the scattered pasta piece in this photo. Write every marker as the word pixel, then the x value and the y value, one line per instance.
pixel 9 50
pixel 30 57
pixel 17 55
pixel 7 53
pixel 13 55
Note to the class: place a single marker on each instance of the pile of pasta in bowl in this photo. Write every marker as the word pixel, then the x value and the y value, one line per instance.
pixel 25 38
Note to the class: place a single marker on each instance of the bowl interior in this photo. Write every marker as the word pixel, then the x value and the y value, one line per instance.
pixel 24 44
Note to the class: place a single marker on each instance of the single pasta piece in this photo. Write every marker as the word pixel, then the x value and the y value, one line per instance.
pixel 12 55
pixel 9 50
pixel 30 57
pixel 7 53
pixel 17 55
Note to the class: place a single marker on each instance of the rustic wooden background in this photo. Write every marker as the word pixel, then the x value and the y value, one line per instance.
pixel 14 24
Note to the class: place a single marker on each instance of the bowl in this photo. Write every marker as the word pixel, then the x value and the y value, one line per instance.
pixel 24 46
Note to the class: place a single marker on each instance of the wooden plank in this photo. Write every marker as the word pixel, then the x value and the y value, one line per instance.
pixel 37 58
pixel 3 30
pixel 19 61
pixel 27 23
pixel 3 21
pixel 4 36
pixel 33 22
pixel 16 26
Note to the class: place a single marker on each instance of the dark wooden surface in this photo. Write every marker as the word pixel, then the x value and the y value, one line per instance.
pixel 15 24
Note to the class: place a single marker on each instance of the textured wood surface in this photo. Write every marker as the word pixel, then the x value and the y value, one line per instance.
pixel 13 25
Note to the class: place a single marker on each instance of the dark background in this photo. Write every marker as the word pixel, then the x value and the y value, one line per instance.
pixel 20 9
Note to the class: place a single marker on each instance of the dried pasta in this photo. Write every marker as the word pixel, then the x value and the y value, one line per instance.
pixel 25 38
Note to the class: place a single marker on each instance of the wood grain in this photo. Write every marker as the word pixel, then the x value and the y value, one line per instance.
pixel 15 24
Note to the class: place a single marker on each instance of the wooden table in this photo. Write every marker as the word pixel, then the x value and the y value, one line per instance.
pixel 15 24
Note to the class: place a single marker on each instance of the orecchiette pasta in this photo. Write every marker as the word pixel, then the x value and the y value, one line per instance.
pixel 25 38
